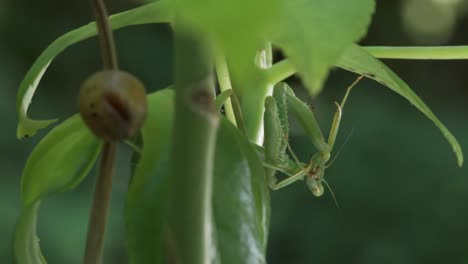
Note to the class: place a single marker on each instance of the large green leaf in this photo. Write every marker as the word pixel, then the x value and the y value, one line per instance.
pixel 151 13
pixel 146 199
pixel 314 33
pixel 241 197
pixel 59 162
pixel 239 18
pixel 357 60
pixel 238 27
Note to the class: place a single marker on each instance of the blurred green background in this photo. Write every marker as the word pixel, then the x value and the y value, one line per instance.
pixel 402 198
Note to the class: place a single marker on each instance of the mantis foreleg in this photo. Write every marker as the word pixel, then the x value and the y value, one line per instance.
pixel 276 130
pixel 337 117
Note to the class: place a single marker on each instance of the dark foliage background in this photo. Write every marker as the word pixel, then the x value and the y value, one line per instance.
pixel 402 197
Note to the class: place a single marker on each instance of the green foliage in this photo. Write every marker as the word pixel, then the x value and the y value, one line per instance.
pixel 314 33
pixel 240 203
pixel 357 60
pixel 151 13
pixel 146 201
pixel 238 28
pixel 59 162
pixel 241 199
pixel 26 243
pixel 237 17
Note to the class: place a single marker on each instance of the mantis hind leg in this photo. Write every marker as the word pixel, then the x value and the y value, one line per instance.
pixel 291 179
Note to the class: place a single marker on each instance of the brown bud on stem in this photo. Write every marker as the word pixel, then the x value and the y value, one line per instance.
pixel 113 104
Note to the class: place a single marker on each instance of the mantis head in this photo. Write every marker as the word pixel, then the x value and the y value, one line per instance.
pixel 315 182
pixel 315 175
pixel 315 186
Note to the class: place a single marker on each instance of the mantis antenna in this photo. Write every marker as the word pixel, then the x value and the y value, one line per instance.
pixel 332 193
pixel 341 148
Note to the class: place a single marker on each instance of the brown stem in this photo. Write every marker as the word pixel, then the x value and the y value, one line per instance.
pixel 102 193
pixel 102 197
pixel 106 38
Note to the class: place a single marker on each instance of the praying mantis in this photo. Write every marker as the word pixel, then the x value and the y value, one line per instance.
pixel 276 142
pixel 276 139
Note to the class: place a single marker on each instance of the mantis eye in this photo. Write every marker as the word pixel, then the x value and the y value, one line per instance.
pixel 325 156
pixel 112 104
pixel 315 186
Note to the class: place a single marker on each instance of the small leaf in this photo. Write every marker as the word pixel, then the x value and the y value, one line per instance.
pixel 28 127
pixel 314 33
pixel 356 59
pixel 241 196
pixel 59 162
pixel 152 13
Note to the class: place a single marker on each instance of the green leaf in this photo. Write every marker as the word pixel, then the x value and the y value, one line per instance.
pixel 238 28
pixel 356 59
pixel 26 242
pixel 59 162
pixel 152 13
pixel 146 199
pixel 236 15
pixel 241 199
pixel 314 33
pixel 241 196
pixel 231 22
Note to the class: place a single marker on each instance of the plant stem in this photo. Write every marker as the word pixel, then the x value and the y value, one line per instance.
pixel 252 101
pixel 101 200
pixel 279 71
pixel 232 105
pixel 264 58
pixel 106 38
pixel 102 193
pixel 238 113
pixel 420 53
pixel 192 157
pixel 222 73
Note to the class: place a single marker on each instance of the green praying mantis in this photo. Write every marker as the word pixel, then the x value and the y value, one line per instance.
pixel 276 142
pixel 276 139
